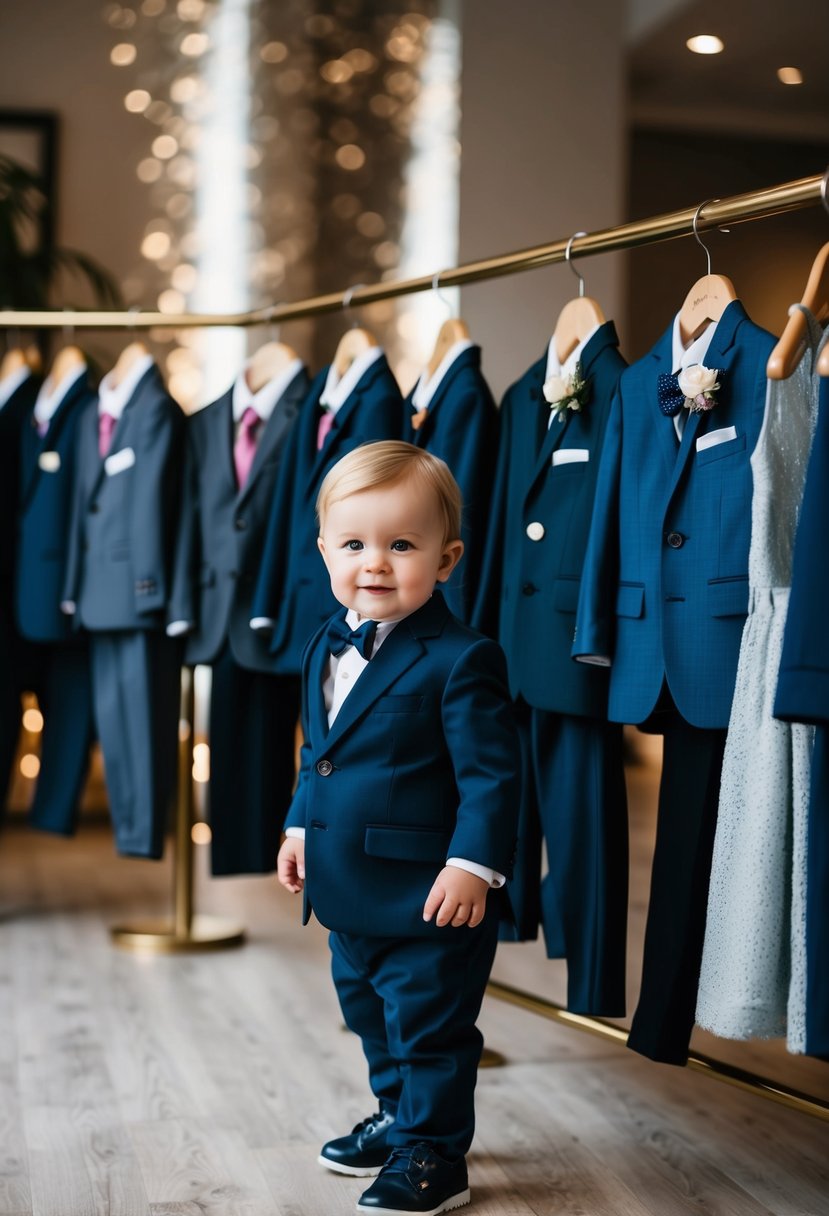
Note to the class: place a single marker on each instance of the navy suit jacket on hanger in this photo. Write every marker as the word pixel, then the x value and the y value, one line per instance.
pixel 48 468
pixel 14 417
pixel 222 529
pixel 665 586
pixel 461 427
pixel 293 590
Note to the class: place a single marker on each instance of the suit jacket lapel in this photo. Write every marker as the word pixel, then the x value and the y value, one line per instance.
pixel 351 403
pixel 471 357
pixel 658 363
pixel 50 439
pixel 149 383
pixel 316 705
pixel 281 417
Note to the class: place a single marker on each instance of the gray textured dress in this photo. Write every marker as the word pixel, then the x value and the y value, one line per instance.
pixel 753 975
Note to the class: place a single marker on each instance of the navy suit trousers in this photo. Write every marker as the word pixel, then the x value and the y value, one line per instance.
pixel 253 717
pixel 63 684
pixel 414 1003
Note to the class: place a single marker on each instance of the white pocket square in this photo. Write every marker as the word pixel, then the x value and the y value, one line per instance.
pixel 714 437
pixel 570 456
pixel 49 461
pixel 118 461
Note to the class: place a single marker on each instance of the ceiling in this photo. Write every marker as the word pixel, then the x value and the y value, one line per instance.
pixel 737 90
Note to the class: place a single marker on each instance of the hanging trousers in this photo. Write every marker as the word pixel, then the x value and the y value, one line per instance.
pixel 817 902
pixel 686 823
pixel 253 717
pixel 62 683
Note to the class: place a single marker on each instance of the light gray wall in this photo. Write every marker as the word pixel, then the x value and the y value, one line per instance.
pixel 544 152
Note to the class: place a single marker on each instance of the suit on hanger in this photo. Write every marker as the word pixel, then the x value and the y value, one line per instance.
pixel 118 577
pixel 803 696
pixel 383 808
pixel 461 427
pixel 573 791
pixel 253 711
pixel 14 416
pixel 665 593
pixel 60 657
pixel 293 589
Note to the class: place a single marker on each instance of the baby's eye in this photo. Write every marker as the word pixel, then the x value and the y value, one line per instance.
pixel 354 545
pixel 400 546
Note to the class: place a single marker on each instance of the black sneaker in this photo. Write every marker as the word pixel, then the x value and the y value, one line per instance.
pixel 417 1179
pixel 362 1153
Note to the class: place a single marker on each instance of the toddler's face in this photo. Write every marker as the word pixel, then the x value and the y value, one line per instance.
pixel 384 550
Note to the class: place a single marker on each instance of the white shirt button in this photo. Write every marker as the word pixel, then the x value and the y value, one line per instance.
pixel 535 530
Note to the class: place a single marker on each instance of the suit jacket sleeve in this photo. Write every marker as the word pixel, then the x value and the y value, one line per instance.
pixel 187 559
pixel 595 618
pixel 481 735
pixel 487 601
pixel 156 503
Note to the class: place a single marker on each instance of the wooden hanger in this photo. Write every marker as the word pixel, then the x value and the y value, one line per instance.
pixel 66 360
pixel 708 298
pixel 266 363
pixel 579 316
pixel 18 357
pixel 354 342
pixel 127 359
pixel 451 331
pixel 789 350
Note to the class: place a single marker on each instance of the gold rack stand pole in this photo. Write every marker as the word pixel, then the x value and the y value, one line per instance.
pixel 186 932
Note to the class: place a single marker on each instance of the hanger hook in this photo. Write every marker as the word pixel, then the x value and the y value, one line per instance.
pixel 697 236
pixel 572 264
pixel 68 328
pixel 133 317
pixel 436 289
pixel 347 294
pixel 274 326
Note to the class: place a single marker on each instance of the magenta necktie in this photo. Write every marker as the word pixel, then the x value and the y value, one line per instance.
pixel 42 428
pixel 106 429
pixel 244 448
pixel 325 424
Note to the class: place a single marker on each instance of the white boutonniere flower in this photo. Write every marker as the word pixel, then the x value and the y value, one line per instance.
pixel 699 384
pixel 566 392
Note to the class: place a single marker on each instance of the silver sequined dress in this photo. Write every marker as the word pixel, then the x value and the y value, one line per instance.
pixel 753 976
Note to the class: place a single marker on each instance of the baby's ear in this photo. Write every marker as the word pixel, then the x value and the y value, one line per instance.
pixel 449 558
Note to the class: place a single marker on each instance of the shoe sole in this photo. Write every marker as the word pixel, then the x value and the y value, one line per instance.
pixel 454 1201
pixel 354 1171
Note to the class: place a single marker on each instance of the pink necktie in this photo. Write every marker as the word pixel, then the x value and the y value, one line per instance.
pixel 325 424
pixel 106 429
pixel 42 428
pixel 244 448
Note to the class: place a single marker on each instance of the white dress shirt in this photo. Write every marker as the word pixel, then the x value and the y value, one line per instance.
pixel 683 357
pixel 426 388
pixel 113 398
pixel 344 670
pixel 339 388
pixel 265 400
pixel 566 369
pixel 11 383
pixel 50 395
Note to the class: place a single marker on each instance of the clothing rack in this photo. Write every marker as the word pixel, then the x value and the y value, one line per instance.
pixel 758 204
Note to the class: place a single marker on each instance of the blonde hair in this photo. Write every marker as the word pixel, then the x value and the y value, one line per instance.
pixel 386 462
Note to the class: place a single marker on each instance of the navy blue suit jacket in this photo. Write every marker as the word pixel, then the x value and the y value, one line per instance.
pixel 531 588
pixel 293 589
pixel 665 583
pixel 222 529
pixel 14 418
pixel 461 427
pixel 48 474
pixel 123 523
pixel 420 764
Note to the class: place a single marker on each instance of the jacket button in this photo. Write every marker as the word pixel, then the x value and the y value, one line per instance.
pixel 675 539
pixel 529 589
pixel 535 530
pixel 325 768
pixel 240 524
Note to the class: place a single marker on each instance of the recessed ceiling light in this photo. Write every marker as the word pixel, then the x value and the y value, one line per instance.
pixel 705 44
pixel 790 75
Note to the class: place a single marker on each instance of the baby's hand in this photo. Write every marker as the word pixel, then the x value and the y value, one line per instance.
pixel 290 864
pixel 458 897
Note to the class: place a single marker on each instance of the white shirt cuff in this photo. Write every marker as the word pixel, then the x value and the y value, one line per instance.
pixel 595 660
pixel 68 607
pixel 295 833
pixel 489 876
pixel 260 623
pixel 176 628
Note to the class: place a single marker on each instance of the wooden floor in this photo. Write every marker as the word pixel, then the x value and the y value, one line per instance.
pixel 204 1085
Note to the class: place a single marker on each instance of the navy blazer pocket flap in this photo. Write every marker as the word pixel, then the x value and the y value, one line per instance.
pixel 406 844
pixel 630 599
pixel 719 450
pixel 398 705
pixel 566 594
pixel 728 596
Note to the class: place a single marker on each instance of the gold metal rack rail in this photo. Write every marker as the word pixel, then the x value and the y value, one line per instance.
pixel 192 932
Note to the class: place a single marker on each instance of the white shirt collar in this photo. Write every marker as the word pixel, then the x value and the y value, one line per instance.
pixel 11 383
pixel 696 352
pixel 111 398
pixel 425 389
pixel 556 368
pixel 264 402
pixel 50 396
pixel 337 390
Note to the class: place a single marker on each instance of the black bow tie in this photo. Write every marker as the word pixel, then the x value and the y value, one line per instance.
pixel 339 636
pixel 669 395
